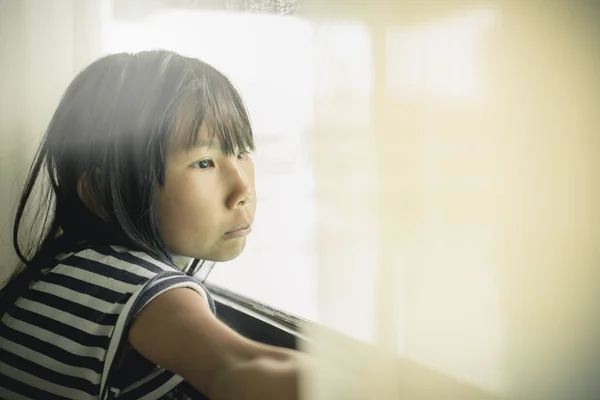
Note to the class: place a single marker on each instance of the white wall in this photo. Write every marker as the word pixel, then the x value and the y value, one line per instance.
pixel 42 45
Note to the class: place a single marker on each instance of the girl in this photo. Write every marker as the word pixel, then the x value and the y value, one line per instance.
pixel 147 160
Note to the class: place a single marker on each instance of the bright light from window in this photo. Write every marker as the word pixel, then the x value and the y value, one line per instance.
pixel 440 60
pixel 270 60
pixel 451 284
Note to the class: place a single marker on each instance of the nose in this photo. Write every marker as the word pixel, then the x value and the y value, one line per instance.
pixel 242 190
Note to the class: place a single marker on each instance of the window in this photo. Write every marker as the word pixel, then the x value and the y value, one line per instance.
pixel 270 60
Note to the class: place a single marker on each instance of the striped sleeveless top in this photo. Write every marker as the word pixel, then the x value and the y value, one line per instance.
pixel 61 338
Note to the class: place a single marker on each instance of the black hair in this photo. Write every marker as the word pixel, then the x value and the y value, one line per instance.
pixel 110 137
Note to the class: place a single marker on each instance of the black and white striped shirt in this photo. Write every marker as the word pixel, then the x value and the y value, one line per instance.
pixel 59 339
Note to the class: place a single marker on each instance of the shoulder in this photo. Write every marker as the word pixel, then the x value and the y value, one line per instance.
pixel 124 267
pixel 106 269
pixel 121 258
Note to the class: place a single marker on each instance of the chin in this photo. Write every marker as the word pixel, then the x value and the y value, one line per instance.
pixel 228 254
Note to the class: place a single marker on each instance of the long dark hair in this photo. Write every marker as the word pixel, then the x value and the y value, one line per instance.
pixel 111 135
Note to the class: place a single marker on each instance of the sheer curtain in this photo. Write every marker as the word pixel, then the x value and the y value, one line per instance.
pixel 457 191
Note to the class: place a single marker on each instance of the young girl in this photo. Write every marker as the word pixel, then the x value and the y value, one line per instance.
pixel 147 158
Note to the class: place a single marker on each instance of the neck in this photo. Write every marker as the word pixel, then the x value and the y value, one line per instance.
pixel 182 262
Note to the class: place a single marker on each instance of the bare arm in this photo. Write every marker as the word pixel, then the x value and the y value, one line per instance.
pixel 178 332
pixel 263 378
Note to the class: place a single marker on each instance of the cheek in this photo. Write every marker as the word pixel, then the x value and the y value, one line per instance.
pixel 183 212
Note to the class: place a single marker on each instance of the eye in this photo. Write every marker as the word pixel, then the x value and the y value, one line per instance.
pixel 242 155
pixel 204 164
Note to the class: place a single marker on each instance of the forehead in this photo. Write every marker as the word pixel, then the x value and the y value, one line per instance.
pixel 225 128
pixel 205 139
pixel 192 129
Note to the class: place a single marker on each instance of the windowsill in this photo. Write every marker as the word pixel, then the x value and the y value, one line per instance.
pixel 269 325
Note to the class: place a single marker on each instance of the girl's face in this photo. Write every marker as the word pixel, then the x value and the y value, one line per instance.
pixel 207 204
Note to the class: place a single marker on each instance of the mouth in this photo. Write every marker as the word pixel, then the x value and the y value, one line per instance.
pixel 242 230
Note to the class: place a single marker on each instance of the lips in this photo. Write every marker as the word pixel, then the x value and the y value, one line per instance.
pixel 240 231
